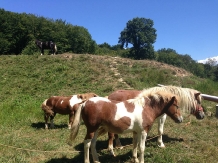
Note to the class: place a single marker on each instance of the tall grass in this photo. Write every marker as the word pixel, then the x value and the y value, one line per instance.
pixel 25 81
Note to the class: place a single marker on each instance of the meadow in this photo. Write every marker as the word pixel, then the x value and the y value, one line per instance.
pixel 26 81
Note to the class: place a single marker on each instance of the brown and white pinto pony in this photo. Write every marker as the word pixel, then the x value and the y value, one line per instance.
pixel 190 103
pixel 101 115
pixel 63 105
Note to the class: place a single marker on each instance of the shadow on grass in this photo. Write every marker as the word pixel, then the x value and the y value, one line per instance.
pixel 150 141
pixel 41 125
pixel 105 157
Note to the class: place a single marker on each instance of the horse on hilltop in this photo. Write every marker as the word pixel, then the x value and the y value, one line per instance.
pixel 101 115
pixel 63 105
pixel 46 45
pixel 190 103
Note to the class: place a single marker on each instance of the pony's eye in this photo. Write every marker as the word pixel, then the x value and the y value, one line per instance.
pixel 177 107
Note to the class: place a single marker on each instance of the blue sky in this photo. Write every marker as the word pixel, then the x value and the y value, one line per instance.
pixel 187 26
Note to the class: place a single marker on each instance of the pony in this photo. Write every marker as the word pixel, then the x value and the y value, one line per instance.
pixel 63 105
pixel 46 45
pixel 101 115
pixel 190 103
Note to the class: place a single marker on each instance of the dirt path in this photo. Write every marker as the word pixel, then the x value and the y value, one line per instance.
pixel 113 66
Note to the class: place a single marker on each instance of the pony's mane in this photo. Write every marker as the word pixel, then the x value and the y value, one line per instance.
pixel 153 96
pixel 186 95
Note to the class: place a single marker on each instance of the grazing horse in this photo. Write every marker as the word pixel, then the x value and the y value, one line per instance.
pixel 190 102
pixel 46 45
pixel 101 115
pixel 63 105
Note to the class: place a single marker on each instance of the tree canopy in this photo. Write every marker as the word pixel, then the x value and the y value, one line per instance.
pixel 18 32
pixel 139 32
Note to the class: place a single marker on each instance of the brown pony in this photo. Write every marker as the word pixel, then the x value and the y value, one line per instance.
pixel 100 115
pixel 190 102
pixel 63 105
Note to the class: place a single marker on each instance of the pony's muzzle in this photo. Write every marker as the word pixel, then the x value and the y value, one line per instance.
pixel 200 115
pixel 179 119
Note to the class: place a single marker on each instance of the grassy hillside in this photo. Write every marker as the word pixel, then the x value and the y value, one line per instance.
pixel 25 81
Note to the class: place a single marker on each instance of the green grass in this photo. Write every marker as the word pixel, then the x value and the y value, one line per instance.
pixel 25 81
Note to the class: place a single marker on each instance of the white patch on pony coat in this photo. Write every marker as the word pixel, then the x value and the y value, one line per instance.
pixel 74 100
pixel 96 99
pixel 44 103
pixel 135 116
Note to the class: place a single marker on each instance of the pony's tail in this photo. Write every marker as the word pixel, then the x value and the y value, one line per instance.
pixel 47 109
pixel 76 124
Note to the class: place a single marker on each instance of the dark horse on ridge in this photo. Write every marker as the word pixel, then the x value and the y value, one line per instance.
pixel 46 45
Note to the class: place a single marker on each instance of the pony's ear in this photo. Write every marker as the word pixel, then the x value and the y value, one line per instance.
pixel 197 94
pixel 95 95
pixel 173 98
pixel 81 96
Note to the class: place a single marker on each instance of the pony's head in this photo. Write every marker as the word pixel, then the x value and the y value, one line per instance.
pixel 173 110
pixel 198 111
pixel 86 96
pixel 170 103
pixel 190 99
pixel 167 102
pixel 38 43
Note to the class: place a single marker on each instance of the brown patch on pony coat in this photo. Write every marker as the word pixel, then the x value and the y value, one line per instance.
pixel 122 95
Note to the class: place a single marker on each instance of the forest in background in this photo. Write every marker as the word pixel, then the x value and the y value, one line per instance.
pixel 19 32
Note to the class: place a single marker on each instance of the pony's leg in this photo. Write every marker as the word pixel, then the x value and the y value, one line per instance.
pixel 142 137
pixel 52 120
pixel 46 116
pixel 42 51
pixel 70 120
pixel 110 143
pixel 117 140
pixel 93 148
pixel 135 144
pixel 161 122
pixel 87 144
pixel 52 47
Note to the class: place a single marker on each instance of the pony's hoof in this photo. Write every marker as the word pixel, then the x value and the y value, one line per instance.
pixel 161 146
pixel 111 153
pixel 136 160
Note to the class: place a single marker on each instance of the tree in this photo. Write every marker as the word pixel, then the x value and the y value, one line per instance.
pixel 18 31
pixel 140 33
pixel 104 45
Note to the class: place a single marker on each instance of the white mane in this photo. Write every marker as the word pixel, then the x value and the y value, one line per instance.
pixel 150 94
pixel 186 95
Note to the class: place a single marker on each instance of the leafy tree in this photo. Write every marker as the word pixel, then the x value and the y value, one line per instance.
pixel 169 56
pixel 116 47
pixel 212 62
pixel 140 33
pixel 104 45
pixel 216 72
pixel 18 32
